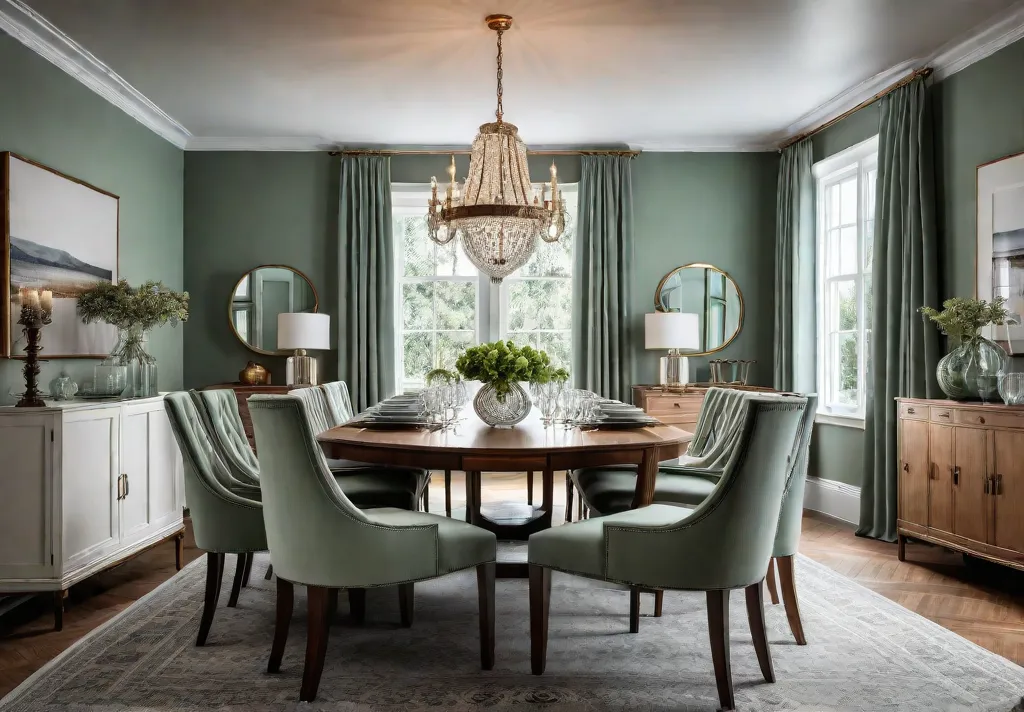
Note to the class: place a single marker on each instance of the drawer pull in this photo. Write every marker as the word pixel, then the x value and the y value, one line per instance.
pixel 906 467
pixel 997 485
pixel 981 420
pixel 943 414
pixel 988 485
pixel 911 411
pixel 676 405
pixel 956 476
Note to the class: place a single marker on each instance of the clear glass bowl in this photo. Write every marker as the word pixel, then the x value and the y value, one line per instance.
pixel 1011 388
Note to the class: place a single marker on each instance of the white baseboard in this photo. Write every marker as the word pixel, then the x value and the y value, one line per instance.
pixel 836 499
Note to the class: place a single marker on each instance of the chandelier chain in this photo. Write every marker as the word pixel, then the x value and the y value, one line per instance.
pixel 499 111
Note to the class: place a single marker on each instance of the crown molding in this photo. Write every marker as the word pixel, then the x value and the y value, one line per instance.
pixel 258 143
pixel 42 37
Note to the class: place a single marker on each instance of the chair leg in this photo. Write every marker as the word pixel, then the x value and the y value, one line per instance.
pixel 214 571
pixel 448 493
pixel 634 610
pixel 406 602
pixel 773 590
pixel 568 497
pixel 485 592
pixel 540 605
pixel 659 603
pixel 58 610
pixel 270 572
pixel 248 568
pixel 787 577
pixel 718 626
pixel 316 641
pixel 755 616
pixel 357 604
pixel 285 604
pixel 426 495
pixel 529 486
pixel 236 582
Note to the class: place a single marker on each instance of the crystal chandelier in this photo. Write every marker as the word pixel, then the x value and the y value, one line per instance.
pixel 497 214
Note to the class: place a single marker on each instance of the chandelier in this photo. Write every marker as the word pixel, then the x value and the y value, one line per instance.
pixel 497 214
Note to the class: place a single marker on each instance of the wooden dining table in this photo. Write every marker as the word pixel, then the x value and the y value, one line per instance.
pixel 476 448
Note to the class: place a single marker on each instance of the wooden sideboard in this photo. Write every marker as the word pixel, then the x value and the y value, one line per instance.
pixel 672 407
pixel 242 393
pixel 961 478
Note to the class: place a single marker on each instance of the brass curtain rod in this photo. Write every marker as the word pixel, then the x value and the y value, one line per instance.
pixel 925 72
pixel 466 151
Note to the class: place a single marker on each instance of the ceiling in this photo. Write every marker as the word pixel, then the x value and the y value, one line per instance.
pixel 653 74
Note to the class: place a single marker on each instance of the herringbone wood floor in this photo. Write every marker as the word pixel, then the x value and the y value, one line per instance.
pixel 980 602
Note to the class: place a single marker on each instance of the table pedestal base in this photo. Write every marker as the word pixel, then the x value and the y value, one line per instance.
pixel 510 521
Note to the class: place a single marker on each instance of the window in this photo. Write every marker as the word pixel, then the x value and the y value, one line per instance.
pixel 845 236
pixel 444 304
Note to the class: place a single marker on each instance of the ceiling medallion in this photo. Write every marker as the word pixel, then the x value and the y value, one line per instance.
pixel 497 214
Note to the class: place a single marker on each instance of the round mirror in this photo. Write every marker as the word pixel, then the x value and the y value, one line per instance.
pixel 709 293
pixel 259 296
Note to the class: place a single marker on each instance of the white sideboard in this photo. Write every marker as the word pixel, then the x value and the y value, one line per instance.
pixel 84 486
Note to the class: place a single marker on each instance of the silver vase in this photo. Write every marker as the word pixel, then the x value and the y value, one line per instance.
pixel 501 411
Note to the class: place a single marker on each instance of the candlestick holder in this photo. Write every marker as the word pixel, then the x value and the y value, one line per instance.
pixel 34 317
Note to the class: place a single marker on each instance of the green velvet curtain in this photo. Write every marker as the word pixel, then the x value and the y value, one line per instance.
pixel 904 349
pixel 795 318
pixel 602 337
pixel 366 280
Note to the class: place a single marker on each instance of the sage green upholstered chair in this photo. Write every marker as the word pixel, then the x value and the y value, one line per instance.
pixel 320 539
pixel 366 485
pixel 722 545
pixel 223 521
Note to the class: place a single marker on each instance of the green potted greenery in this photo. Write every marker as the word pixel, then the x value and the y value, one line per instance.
pixel 501 367
pixel 134 311
pixel 971 369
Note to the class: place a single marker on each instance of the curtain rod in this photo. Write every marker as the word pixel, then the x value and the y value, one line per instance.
pixel 466 151
pixel 925 72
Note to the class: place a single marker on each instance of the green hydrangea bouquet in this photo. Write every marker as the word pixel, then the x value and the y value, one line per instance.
pixel 502 364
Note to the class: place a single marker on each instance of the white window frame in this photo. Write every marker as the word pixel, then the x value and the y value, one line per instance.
pixel 410 199
pixel 858 161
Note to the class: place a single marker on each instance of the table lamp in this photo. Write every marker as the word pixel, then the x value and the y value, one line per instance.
pixel 676 332
pixel 300 331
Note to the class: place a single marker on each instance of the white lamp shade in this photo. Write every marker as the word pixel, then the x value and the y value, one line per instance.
pixel 302 330
pixel 671 330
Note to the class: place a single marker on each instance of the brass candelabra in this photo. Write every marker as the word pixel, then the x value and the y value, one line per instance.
pixel 36 312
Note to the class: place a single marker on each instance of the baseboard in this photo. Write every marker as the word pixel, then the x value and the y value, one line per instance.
pixel 836 499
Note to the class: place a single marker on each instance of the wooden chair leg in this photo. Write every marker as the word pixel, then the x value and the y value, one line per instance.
pixel 448 493
pixel 755 616
pixel 718 626
pixel 270 572
pixel 540 605
pixel 426 495
pixel 236 582
pixel 285 604
pixel 248 568
pixel 787 576
pixel 485 592
pixel 529 486
pixel 179 552
pixel 634 610
pixel 58 610
pixel 406 603
pixel 357 604
pixel 316 641
pixel 569 491
pixel 773 590
pixel 214 572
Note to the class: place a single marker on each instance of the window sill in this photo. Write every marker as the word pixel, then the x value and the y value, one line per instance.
pixel 843 421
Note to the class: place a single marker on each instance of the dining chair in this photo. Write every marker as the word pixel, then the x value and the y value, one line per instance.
pixel 223 521
pixel 304 507
pixel 366 485
pixel 722 545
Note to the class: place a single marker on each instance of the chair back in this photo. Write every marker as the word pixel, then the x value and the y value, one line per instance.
pixel 219 410
pixel 316 410
pixel 339 402
pixel 727 541
pixel 715 433
pixel 787 538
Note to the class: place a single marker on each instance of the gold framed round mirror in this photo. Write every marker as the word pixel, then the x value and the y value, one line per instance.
pixel 259 296
pixel 712 295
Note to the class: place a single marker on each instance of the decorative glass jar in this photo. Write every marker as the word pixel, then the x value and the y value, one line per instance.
pixel 501 411
pixel 971 368
pixel 63 387
pixel 132 352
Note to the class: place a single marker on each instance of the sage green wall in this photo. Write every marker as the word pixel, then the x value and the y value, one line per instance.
pixel 49 117
pixel 979 117
pixel 246 209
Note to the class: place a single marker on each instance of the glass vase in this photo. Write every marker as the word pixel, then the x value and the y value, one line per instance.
pixel 132 352
pixel 501 411
pixel 971 368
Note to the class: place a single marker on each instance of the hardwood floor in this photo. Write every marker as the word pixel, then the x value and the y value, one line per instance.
pixel 980 602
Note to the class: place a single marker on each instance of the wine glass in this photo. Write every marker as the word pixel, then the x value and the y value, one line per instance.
pixel 987 385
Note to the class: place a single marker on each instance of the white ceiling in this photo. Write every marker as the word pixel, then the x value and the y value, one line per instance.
pixel 653 74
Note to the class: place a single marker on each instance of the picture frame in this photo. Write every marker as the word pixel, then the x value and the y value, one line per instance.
pixel 59 234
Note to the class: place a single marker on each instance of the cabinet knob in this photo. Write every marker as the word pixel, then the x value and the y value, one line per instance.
pixel 956 476
pixel 906 467
pixel 981 420
pixel 676 405
pixel 911 411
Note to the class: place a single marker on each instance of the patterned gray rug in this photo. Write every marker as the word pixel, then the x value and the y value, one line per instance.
pixel 865 654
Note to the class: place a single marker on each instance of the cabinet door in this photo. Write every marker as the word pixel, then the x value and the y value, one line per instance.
pixel 1008 469
pixel 970 502
pixel 26 507
pixel 166 488
pixel 914 471
pixel 89 473
pixel 149 463
pixel 940 482
pixel 135 471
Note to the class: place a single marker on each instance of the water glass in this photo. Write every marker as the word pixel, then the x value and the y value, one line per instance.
pixel 1011 387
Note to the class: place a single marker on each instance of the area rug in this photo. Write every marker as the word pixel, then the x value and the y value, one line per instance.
pixel 865 654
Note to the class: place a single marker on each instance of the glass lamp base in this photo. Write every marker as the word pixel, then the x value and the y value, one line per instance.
pixel 674 371
pixel 300 370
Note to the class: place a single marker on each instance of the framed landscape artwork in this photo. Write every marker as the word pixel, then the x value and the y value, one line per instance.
pixel 60 234
pixel 1000 259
